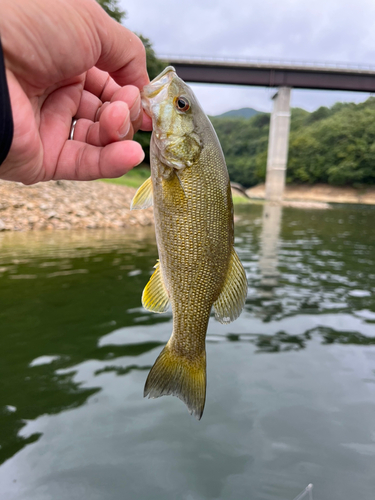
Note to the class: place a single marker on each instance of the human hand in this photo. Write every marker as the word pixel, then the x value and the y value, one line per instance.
pixel 68 59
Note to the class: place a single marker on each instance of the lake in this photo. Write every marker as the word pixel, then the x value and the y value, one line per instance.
pixel 291 383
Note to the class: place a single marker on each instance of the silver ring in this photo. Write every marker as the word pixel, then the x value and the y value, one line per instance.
pixel 74 123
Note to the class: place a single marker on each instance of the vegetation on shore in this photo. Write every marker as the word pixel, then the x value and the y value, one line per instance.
pixel 334 145
pixel 113 9
pixel 134 178
pixel 154 67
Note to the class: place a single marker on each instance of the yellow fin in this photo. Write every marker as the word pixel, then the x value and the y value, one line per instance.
pixel 143 197
pixel 155 296
pixel 233 295
pixel 181 376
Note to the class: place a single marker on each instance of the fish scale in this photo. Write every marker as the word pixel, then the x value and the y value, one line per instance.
pixel 193 210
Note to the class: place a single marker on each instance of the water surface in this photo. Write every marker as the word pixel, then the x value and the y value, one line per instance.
pixel 291 383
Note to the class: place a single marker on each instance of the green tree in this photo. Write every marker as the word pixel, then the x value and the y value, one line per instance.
pixel 244 142
pixel 111 7
pixel 154 65
pixel 331 145
pixel 337 148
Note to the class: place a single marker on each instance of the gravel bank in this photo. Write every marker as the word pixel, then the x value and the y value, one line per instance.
pixel 94 205
pixel 320 193
pixel 68 205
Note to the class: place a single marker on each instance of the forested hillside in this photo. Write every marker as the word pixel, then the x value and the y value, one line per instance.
pixel 331 145
pixel 241 113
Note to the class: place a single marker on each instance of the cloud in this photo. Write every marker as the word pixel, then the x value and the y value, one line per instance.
pixel 323 31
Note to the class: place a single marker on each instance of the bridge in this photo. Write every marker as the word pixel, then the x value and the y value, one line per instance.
pixel 285 76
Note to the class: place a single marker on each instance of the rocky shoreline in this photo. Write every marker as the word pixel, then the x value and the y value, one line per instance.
pixel 322 193
pixel 68 205
pixel 99 205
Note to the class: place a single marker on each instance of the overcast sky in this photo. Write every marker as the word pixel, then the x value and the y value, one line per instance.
pixel 319 30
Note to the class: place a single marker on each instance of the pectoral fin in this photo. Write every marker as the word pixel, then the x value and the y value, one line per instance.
pixel 233 295
pixel 143 197
pixel 155 296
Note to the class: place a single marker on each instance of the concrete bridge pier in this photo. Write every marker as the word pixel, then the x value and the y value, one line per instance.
pixel 278 145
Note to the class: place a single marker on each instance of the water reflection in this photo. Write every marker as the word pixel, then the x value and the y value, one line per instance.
pixel 53 322
pixel 282 341
pixel 269 238
pixel 76 345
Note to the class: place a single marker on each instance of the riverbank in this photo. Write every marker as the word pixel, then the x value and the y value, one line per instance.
pixel 99 205
pixel 68 205
pixel 320 193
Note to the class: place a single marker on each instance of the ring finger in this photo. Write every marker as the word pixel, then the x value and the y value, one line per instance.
pixel 114 125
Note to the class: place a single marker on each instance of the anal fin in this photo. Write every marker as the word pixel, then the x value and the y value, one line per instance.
pixel 155 296
pixel 143 197
pixel 232 298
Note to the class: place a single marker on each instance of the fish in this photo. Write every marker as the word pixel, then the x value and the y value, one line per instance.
pixel 198 267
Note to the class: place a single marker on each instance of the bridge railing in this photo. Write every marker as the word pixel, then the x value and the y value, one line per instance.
pixel 268 61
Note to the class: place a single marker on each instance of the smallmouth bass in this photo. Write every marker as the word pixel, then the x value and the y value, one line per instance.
pixel 198 267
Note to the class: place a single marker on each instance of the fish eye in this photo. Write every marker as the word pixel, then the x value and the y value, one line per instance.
pixel 182 104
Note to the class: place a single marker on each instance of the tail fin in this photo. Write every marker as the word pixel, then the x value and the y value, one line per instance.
pixel 179 376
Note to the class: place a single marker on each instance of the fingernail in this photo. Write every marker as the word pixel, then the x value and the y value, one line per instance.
pixel 142 157
pixel 124 129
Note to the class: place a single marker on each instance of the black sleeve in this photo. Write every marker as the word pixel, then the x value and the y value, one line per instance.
pixel 6 118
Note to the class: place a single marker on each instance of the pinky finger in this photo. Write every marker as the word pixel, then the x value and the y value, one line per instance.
pixel 84 162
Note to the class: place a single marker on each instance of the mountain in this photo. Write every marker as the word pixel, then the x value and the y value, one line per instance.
pixel 242 113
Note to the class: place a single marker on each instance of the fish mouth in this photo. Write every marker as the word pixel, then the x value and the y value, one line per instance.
pixel 157 88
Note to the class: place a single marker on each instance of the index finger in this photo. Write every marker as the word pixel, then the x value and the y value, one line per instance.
pixel 122 54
